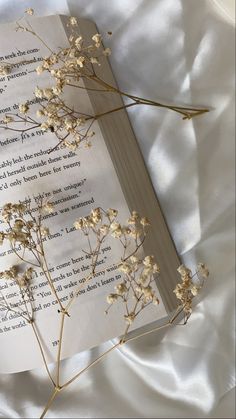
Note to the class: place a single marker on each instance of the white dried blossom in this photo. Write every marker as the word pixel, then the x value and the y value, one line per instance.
pixel 48 207
pixel 48 93
pixel 80 61
pixel 38 93
pixel 9 274
pixel 203 270
pixel 73 21
pixel 121 288
pixel 56 90
pixel 39 70
pixel 155 301
pixel 18 225
pixel 40 113
pixel 96 215
pixel 126 268
pixel 79 224
pixel 44 126
pixel 134 218
pixel 194 290
pixel 145 221
pixel 94 60
pixel 97 38
pixel 5 69
pixel 184 271
pixel 104 229
pixel 156 268
pixel 148 261
pixel 148 292
pixel 111 298
pixel 78 42
pixel 44 231
pixel 29 11
pixel 112 212
pixel 106 52
pixel 7 119
pixel 116 230
pixel 23 108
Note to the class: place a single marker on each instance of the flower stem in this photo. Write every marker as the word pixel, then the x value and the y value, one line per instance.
pixel 50 401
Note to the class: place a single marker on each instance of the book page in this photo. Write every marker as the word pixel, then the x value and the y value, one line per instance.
pixel 76 182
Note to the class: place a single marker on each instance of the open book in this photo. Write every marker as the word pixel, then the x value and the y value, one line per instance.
pixel 110 174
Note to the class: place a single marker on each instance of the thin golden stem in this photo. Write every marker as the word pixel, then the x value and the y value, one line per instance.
pixel 116 109
pixel 48 276
pixel 42 351
pixel 91 364
pixel 188 112
pixel 87 88
pixel 23 260
pixel 122 341
pixel 60 348
pixel 50 401
pixel 8 308
pixel 49 279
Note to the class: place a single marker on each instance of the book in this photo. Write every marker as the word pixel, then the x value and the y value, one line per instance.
pixel 110 174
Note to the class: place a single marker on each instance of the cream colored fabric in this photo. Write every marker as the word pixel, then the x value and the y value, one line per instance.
pixel 181 51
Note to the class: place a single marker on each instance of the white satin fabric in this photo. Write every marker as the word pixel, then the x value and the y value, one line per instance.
pixel 183 52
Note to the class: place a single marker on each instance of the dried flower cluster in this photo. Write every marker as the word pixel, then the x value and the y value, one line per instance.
pixel 23 228
pixel 13 274
pixel 106 221
pixel 135 291
pixel 189 288
pixel 70 67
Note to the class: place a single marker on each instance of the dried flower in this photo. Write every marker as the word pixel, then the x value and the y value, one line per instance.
pixel 38 93
pixel 73 21
pixel 107 52
pixel 79 224
pixel 5 69
pixel 121 289
pixel 80 61
pixel 48 207
pixel 44 231
pixel 203 270
pixel 39 70
pixel 97 38
pixel 23 108
pixel 29 11
pixel 111 298
pixel 145 222
pixel 7 119
pixel 112 213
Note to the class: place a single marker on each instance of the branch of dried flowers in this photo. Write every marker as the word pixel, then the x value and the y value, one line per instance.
pixel 28 231
pixel 184 291
pixel 68 66
pixel 138 274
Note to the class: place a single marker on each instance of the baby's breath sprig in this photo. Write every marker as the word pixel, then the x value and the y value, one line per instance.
pixel 25 234
pixel 135 291
pixel 70 67
pixel 190 286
